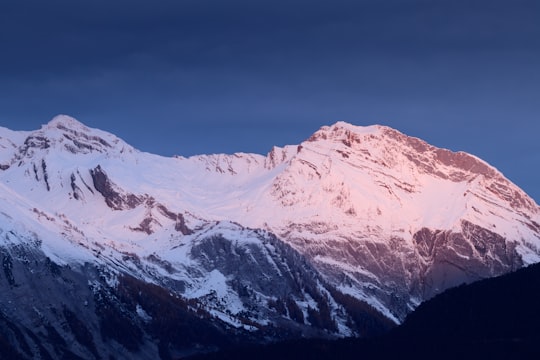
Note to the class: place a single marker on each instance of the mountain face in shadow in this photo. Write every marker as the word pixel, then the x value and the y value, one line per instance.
pixel 496 318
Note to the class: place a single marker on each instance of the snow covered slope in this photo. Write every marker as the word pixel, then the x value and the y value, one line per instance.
pixel 353 212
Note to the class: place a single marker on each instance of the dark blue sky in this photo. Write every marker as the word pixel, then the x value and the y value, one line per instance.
pixel 187 77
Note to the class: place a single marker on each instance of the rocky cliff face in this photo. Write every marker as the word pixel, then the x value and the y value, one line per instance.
pixel 344 234
pixel 386 216
pixel 124 306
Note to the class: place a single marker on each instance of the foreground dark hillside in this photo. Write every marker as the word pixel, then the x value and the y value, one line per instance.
pixel 494 318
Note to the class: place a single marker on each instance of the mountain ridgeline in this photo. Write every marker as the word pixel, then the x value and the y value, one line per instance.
pixel 109 252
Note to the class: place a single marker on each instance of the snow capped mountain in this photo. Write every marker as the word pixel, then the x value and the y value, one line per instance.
pixel 382 213
pixel 300 239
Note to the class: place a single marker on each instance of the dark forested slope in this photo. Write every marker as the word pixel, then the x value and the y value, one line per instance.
pixel 493 318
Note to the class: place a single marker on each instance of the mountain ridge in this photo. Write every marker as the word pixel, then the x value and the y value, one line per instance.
pixel 361 218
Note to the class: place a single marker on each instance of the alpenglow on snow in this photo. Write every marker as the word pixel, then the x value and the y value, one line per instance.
pixel 95 232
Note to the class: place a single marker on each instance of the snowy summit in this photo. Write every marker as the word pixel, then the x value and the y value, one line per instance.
pixel 366 214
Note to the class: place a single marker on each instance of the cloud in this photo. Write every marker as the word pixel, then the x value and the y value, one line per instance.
pixel 43 39
pixel 429 68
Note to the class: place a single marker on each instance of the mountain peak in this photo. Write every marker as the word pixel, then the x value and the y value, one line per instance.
pixel 66 133
pixel 409 158
pixel 392 144
pixel 342 129
pixel 64 122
